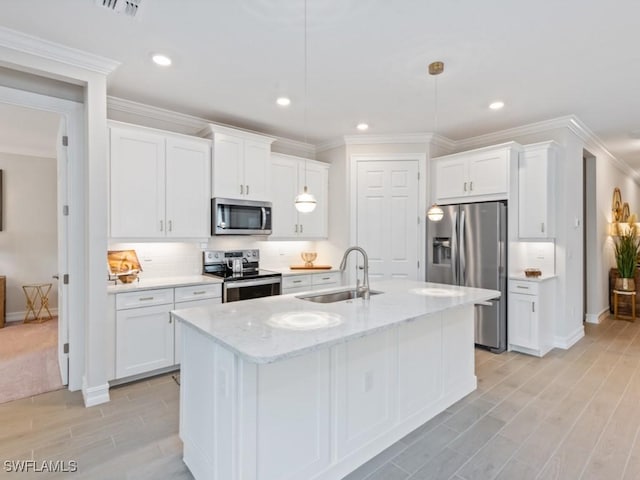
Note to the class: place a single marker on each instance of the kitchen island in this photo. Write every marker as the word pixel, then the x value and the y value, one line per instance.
pixel 284 388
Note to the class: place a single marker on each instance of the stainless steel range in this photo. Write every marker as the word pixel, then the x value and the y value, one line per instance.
pixel 242 275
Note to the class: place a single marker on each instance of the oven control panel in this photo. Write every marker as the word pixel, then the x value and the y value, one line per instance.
pixel 211 257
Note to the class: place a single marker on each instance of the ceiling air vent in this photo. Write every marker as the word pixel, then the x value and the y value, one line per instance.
pixel 127 7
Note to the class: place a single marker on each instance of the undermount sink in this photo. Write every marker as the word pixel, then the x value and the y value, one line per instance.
pixel 332 297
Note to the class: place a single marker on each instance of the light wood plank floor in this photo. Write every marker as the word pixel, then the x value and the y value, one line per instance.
pixel 572 415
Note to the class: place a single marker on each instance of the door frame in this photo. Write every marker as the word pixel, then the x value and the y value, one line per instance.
pixel 72 113
pixel 421 158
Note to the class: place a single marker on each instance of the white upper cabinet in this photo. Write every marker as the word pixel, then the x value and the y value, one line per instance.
pixel 159 183
pixel 481 174
pixel 241 164
pixel 536 191
pixel 288 178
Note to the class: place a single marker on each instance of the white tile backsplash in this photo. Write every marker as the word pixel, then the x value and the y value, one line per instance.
pixel 532 255
pixel 164 259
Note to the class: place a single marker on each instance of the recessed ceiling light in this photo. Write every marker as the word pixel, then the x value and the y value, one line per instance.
pixel 362 127
pixel 283 101
pixel 496 105
pixel 161 60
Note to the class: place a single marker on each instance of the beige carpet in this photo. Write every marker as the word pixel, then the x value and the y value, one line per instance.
pixel 28 359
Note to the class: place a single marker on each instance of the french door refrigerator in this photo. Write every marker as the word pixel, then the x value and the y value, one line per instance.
pixel 468 247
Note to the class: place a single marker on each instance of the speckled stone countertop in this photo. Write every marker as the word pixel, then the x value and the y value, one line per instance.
pixel 163 282
pixel 255 329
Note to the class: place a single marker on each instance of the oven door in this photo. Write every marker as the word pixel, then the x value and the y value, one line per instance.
pixel 235 290
pixel 240 217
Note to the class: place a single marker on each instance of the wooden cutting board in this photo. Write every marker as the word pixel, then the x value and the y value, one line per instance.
pixel 314 267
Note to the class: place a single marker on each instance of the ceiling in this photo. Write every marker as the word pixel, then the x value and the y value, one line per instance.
pixel 367 62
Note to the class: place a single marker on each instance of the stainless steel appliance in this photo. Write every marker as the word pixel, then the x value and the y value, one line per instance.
pixel 469 247
pixel 240 217
pixel 243 279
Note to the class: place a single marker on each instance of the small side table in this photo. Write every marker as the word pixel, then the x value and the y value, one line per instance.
pixel 37 300
pixel 624 293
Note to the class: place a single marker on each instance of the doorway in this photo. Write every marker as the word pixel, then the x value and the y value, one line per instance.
pixel 589 216
pixel 68 176
pixel 387 220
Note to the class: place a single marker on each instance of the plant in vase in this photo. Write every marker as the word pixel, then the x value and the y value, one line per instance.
pixel 627 248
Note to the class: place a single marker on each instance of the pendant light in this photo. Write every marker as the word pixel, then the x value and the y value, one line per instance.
pixel 435 213
pixel 305 202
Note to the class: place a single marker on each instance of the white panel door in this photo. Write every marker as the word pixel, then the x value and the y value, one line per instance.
pixel 137 178
pixel 488 173
pixel 387 217
pixel 228 166
pixel 314 224
pixel 257 163
pixel 284 185
pixel 188 188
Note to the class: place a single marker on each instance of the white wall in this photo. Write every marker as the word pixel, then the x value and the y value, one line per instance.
pixel 28 241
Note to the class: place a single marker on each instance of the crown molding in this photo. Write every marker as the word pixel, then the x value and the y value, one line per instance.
pixel 40 47
pixel 294 145
pixel 330 145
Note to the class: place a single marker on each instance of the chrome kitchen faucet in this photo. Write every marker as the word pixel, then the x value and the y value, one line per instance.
pixel 343 265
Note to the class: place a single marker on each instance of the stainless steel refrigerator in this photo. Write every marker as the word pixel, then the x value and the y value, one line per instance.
pixel 469 247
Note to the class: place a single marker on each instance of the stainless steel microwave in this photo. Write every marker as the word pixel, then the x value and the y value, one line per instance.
pixel 240 217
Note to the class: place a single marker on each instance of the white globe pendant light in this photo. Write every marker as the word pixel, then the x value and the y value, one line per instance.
pixel 305 202
pixel 435 213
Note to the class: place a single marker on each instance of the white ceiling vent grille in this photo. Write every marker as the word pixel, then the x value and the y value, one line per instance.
pixel 126 7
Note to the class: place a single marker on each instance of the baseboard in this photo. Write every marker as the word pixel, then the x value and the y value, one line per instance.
pixel 95 395
pixel 595 317
pixel 570 340
pixel 19 316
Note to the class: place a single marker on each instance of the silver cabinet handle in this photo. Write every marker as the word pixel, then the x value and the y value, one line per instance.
pixel 470 186
pixel 542 227
pixel 520 286
pixel 241 189
pixel 326 278
pixel 201 292
pixel 296 228
pixel 247 189
pixel 145 299
pixel 170 225
pixel 301 230
pixel 170 318
pixel 297 281
pixel 161 226
pixel 465 186
pixel 533 307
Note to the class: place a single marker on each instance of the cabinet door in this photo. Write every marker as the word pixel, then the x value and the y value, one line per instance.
pixel 257 166
pixel 488 173
pixel 284 186
pixel 451 178
pixel 207 302
pixel 144 340
pixel 523 321
pixel 535 195
pixel 188 188
pixel 137 185
pixel 314 224
pixel 228 165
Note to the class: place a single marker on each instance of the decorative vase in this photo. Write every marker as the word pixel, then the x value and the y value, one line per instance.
pixel 627 284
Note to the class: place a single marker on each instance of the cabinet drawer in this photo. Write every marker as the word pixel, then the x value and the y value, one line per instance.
pixel 328 278
pixel 197 292
pixel 296 281
pixel 524 287
pixel 144 298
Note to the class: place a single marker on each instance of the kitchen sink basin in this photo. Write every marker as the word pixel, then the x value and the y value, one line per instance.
pixel 332 297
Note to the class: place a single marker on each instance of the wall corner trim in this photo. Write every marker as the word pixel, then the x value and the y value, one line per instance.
pixel 95 395
pixel 570 340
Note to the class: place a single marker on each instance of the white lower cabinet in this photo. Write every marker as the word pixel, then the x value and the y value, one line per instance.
pixel 310 281
pixel 531 316
pixel 142 337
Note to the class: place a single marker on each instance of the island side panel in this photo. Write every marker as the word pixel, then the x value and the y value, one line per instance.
pixel 458 361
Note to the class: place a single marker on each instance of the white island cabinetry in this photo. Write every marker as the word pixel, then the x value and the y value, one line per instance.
pixel 260 402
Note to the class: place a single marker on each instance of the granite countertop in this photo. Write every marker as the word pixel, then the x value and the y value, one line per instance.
pixel 522 276
pixel 163 282
pixel 254 328
pixel 287 271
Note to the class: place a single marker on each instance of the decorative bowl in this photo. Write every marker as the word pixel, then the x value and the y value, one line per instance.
pixel 128 278
pixel 308 258
pixel 532 272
